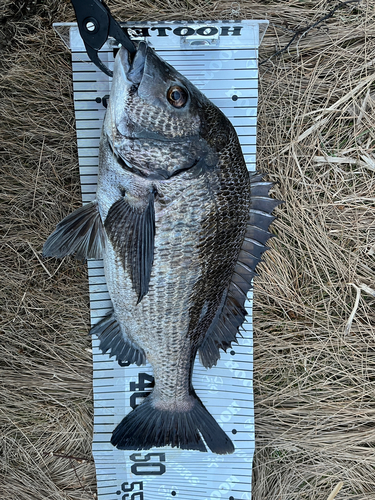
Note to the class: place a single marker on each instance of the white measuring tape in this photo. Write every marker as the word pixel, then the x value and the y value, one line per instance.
pixel 220 58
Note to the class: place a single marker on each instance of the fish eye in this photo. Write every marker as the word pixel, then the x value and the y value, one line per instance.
pixel 177 96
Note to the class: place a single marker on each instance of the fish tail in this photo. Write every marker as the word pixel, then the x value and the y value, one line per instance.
pixel 147 427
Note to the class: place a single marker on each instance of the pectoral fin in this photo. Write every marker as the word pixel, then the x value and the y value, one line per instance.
pixel 80 234
pixel 131 230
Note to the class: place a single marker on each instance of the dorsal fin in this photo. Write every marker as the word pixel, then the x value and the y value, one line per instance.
pixel 225 326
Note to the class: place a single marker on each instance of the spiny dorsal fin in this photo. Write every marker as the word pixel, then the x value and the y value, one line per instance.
pixel 81 234
pixel 113 340
pixel 225 327
pixel 131 230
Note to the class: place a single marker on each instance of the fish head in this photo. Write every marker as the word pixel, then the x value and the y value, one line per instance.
pixel 157 121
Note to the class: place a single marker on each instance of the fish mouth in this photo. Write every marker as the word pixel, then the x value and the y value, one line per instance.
pixel 132 66
pixel 144 73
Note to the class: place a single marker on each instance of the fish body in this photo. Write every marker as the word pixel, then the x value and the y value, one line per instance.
pixel 180 226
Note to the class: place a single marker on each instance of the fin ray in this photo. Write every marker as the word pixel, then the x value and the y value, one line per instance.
pixel 80 234
pixel 112 339
pixel 147 427
pixel 225 327
pixel 132 233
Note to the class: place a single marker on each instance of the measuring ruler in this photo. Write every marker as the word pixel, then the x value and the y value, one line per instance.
pixel 220 58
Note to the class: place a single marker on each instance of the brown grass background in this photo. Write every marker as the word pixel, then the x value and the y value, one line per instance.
pixel 314 375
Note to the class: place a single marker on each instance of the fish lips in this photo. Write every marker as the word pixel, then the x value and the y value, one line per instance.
pixel 131 68
pixel 127 77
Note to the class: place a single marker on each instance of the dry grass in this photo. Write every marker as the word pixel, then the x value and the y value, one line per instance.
pixel 314 383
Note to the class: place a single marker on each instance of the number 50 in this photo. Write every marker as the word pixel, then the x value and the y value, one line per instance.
pixel 143 466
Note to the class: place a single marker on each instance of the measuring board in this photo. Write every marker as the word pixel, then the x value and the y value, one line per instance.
pixel 220 58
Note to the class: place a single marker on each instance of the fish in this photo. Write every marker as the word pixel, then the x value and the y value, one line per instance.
pixel 181 225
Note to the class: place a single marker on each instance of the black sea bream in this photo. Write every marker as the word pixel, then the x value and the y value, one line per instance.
pixel 180 225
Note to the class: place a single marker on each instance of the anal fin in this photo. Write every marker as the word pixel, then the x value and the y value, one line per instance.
pixel 113 340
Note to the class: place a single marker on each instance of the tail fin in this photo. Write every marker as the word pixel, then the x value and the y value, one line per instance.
pixel 148 427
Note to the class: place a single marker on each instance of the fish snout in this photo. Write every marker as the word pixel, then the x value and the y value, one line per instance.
pixel 132 67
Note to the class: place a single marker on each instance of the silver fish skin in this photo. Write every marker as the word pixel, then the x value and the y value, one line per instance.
pixel 180 226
